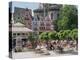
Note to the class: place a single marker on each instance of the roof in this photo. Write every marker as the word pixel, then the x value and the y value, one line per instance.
pixel 38 10
pixel 18 27
pixel 18 24
pixel 21 29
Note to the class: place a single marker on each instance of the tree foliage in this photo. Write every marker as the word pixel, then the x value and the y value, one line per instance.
pixel 68 18
pixel 61 35
pixel 74 34
pixel 52 35
pixel 44 36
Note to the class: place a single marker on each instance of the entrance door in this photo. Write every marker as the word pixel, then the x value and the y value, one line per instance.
pixel 13 43
pixel 24 40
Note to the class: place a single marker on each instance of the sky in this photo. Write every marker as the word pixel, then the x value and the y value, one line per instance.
pixel 30 5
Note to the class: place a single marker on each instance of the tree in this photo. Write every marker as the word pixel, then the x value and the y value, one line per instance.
pixel 63 24
pixel 60 35
pixel 44 36
pixel 68 18
pixel 52 35
pixel 66 34
pixel 74 34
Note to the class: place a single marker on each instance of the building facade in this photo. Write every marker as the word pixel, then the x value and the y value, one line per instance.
pixel 18 36
pixel 44 17
pixel 23 15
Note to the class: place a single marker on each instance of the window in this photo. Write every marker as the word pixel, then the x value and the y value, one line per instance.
pixel 18 17
pixel 14 33
pixel 42 28
pixel 34 23
pixel 42 24
pixel 18 33
pixel 47 28
pixel 23 33
pixel 58 15
pixel 26 18
pixel 13 43
pixel 47 24
pixel 38 17
pixel 51 15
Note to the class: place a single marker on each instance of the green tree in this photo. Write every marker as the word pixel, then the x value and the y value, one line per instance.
pixel 68 18
pixel 44 36
pixel 74 34
pixel 63 24
pixel 52 35
pixel 60 35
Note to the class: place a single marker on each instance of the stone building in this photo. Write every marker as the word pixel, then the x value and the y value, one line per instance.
pixel 23 15
pixel 18 36
pixel 44 17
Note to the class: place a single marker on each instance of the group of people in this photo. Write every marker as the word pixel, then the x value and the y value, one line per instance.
pixel 54 45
